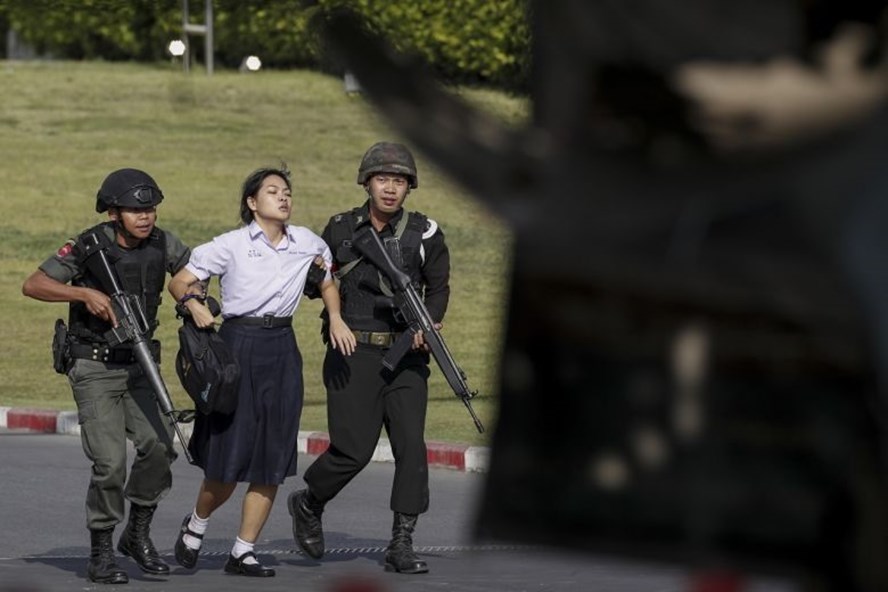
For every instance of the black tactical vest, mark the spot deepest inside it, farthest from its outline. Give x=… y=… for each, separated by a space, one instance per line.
x=140 y=271
x=366 y=302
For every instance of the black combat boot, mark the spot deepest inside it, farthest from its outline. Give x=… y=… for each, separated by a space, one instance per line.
x=135 y=542
x=307 y=530
x=399 y=556
x=101 y=567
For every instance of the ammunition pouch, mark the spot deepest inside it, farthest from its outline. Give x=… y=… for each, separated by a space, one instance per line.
x=61 y=352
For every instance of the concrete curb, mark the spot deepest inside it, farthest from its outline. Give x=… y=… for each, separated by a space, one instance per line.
x=459 y=457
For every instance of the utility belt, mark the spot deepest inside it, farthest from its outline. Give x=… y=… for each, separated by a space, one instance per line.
x=101 y=352
x=268 y=321
x=376 y=338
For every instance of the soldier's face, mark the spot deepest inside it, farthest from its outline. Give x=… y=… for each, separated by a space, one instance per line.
x=139 y=222
x=387 y=192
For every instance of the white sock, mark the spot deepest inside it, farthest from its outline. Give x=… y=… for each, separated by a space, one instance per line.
x=197 y=525
x=240 y=547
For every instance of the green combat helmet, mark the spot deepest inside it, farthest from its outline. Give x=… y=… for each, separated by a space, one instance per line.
x=129 y=188
x=388 y=157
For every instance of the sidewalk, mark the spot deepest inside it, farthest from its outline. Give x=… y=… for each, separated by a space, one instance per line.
x=459 y=457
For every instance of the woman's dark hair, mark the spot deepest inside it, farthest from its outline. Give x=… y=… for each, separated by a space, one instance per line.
x=252 y=184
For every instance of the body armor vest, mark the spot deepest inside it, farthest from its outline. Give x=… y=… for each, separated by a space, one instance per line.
x=366 y=297
x=140 y=271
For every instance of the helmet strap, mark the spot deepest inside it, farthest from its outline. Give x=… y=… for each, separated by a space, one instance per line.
x=122 y=230
x=119 y=226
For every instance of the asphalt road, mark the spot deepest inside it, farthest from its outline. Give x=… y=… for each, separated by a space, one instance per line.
x=44 y=543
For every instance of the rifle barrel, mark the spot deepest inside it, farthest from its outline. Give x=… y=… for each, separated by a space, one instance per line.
x=418 y=316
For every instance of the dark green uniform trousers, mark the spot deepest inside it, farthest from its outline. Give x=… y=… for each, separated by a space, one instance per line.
x=115 y=402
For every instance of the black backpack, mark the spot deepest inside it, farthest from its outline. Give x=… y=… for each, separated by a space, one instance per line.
x=208 y=371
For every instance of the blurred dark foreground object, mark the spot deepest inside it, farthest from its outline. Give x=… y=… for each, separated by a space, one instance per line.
x=694 y=364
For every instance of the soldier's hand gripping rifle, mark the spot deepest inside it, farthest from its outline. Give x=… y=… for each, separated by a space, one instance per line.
x=132 y=327
x=417 y=316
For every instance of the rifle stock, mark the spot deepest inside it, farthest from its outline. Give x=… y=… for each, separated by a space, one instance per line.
x=418 y=318
x=132 y=327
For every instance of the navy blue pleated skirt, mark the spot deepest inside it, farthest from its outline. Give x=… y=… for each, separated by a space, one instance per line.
x=258 y=442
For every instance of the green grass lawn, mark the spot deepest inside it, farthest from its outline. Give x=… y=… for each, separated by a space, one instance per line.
x=65 y=125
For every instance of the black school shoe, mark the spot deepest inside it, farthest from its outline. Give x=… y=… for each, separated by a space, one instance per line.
x=185 y=555
x=236 y=565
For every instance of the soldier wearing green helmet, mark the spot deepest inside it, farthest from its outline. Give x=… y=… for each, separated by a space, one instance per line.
x=115 y=400
x=388 y=157
x=362 y=396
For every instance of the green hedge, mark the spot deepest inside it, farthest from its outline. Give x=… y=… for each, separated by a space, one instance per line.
x=95 y=29
x=486 y=41
x=464 y=40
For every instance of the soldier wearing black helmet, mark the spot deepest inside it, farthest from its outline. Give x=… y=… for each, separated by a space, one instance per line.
x=114 y=399
x=362 y=396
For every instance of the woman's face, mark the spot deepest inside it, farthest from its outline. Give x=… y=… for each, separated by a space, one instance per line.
x=273 y=201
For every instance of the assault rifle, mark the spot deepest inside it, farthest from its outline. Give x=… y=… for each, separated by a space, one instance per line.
x=417 y=317
x=132 y=327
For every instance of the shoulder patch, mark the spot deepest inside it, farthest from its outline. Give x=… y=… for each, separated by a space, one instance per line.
x=430 y=229
x=65 y=249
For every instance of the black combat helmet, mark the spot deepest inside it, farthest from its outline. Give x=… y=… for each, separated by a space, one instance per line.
x=128 y=188
x=388 y=157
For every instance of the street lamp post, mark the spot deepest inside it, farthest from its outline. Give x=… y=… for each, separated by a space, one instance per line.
x=206 y=29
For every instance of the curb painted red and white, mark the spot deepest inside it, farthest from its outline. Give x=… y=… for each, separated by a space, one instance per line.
x=459 y=457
